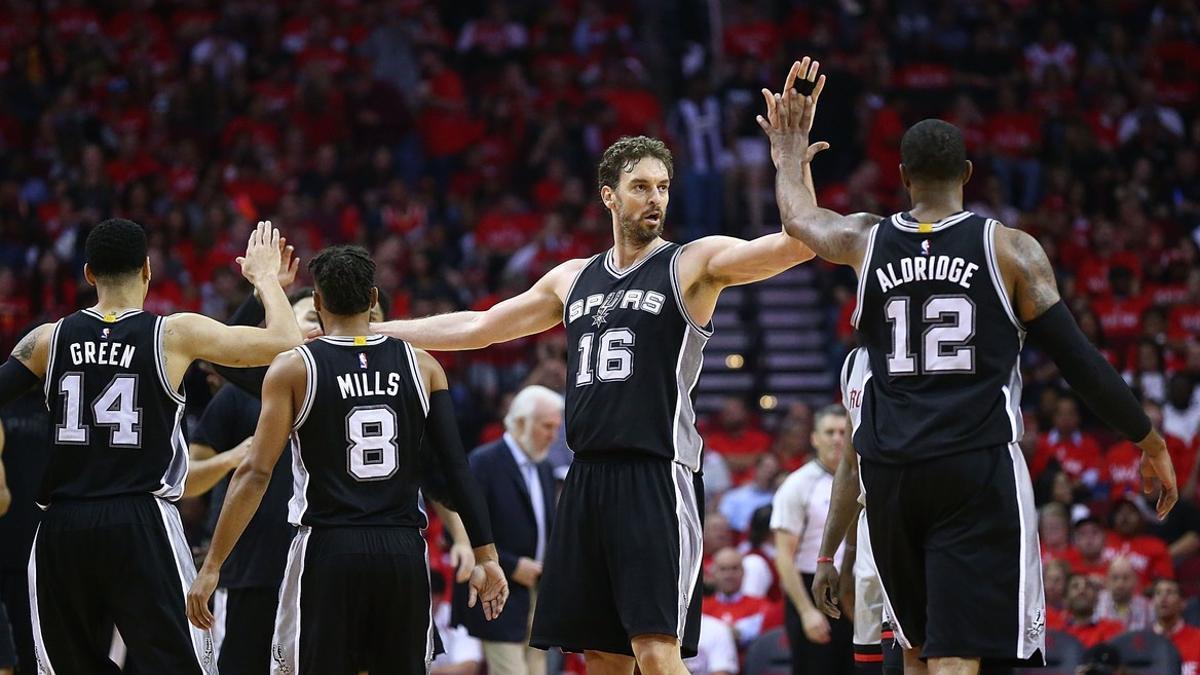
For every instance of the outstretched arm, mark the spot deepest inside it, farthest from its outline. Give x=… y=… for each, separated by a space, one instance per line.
x=285 y=377
x=830 y=235
x=538 y=309
x=1030 y=282
x=26 y=368
x=188 y=337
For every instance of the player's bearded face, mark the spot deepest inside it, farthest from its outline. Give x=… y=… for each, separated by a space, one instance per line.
x=640 y=202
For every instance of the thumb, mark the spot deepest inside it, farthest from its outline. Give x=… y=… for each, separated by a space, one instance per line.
x=816 y=148
x=241 y=260
x=472 y=595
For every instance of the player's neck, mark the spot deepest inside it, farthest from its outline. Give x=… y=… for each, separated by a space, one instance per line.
x=116 y=299
x=930 y=205
x=626 y=253
x=349 y=326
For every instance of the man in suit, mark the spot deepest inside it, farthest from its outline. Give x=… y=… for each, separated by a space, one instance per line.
x=519 y=487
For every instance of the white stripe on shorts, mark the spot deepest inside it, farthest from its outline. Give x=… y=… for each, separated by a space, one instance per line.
x=285 y=643
x=202 y=644
x=1031 y=596
x=691 y=539
x=44 y=667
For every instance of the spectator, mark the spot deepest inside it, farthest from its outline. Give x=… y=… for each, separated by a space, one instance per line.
x=1081 y=611
x=1120 y=600
x=1147 y=554
x=717 y=653
x=1076 y=451
x=696 y=123
x=740 y=503
x=1124 y=459
x=793 y=438
x=1181 y=414
x=1120 y=311
x=1054 y=580
x=464 y=654
x=736 y=436
x=717 y=535
x=1147 y=374
x=518 y=485
x=1168 y=611
x=1054 y=532
x=1016 y=139
x=757 y=556
x=1086 y=556
x=819 y=644
x=742 y=613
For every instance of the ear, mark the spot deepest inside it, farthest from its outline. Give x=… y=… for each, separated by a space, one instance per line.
x=904 y=179
x=374 y=298
x=607 y=196
x=968 y=172
x=146 y=272
x=88 y=276
x=316 y=301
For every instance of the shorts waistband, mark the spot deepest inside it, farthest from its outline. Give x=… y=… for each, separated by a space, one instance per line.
x=623 y=456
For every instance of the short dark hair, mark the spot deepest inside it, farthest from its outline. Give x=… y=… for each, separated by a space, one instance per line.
x=933 y=150
x=627 y=151
x=302 y=293
x=831 y=410
x=115 y=248
x=385 y=304
x=344 y=276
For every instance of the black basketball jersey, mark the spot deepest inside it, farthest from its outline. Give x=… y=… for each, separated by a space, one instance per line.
x=943 y=340
x=633 y=359
x=357 y=434
x=116 y=423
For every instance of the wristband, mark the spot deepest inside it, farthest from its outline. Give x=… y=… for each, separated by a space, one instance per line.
x=824 y=559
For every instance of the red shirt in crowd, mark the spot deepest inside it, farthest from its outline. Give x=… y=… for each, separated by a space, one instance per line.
x=1014 y=134
x=1183 y=321
x=1091 y=634
x=1121 y=318
x=757 y=39
x=1187 y=640
x=748 y=441
x=1148 y=555
x=1078 y=454
x=1078 y=565
x=744 y=614
x=1124 y=464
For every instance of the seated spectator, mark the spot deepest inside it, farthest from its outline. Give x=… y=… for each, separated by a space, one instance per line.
x=1168 y=610
x=1082 y=592
x=1054 y=580
x=717 y=535
x=743 y=614
x=716 y=653
x=1054 y=532
x=1120 y=600
x=736 y=436
x=758 y=555
x=793 y=438
x=1077 y=452
x=1181 y=414
x=1087 y=551
x=740 y=503
x=1147 y=554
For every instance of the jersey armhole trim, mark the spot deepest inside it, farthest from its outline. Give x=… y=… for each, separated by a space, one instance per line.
x=160 y=361
x=677 y=291
x=310 y=386
x=50 y=362
x=416 y=376
x=566 y=301
x=863 y=273
x=989 y=247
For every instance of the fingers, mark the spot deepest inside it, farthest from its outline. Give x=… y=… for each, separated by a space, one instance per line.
x=772 y=108
x=472 y=595
x=817 y=89
x=198 y=613
x=797 y=68
x=273 y=234
x=1166 y=501
x=815 y=149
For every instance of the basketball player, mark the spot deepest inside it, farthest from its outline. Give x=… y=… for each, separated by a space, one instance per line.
x=358 y=407
x=118 y=460
x=945 y=300
x=622 y=568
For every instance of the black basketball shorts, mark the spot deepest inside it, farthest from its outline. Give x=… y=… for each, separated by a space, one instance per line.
x=955 y=542
x=123 y=561
x=8 y=649
x=354 y=599
x=623 y=558
x=245 y=619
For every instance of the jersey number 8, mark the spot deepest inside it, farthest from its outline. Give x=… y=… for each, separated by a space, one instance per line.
x=372 y=453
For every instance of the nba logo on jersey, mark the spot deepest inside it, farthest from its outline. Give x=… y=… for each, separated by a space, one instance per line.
x=925 y=247
x=104 y=333
x=362 y=360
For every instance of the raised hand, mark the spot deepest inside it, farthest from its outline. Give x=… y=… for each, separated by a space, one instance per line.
x=262 y=259
x=790 y=114
x=488 y=585
x=289 y=264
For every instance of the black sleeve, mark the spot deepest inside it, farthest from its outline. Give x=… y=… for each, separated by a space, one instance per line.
x=216 y=428
x=445 y=474
x=15 y=379
x=249 y=380
x=1091 y=376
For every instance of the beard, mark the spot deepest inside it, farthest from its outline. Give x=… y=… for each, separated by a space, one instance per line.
x=638 y=229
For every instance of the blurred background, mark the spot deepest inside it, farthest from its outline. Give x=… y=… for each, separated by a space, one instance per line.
x=458 y=142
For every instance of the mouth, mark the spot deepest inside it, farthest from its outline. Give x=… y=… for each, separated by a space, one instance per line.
x=654 y=218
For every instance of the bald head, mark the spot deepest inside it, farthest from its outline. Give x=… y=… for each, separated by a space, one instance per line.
x=727 y=571
x=1122 y=580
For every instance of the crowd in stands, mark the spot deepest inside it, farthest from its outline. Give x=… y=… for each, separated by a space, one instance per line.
x=458 y=141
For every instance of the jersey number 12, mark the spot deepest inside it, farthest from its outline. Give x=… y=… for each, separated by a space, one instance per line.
x=945 y=344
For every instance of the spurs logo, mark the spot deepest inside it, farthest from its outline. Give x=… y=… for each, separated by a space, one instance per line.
x=607 y=306
x=1038 y=626
x=277 y=654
